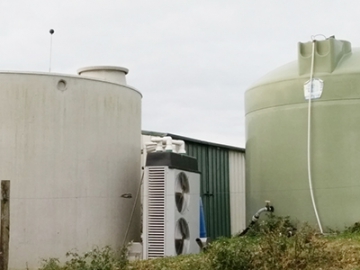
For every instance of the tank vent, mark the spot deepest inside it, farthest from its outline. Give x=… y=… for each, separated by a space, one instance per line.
x=328 y=54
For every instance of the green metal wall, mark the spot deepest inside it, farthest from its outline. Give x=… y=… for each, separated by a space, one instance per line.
x=214 y=167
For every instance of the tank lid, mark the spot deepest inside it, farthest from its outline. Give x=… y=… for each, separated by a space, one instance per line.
x=112 y=74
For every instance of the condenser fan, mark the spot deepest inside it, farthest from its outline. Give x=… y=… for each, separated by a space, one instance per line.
x=181 y=191
x=182 y=235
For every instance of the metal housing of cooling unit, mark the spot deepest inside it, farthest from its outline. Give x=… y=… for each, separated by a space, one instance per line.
x=171 y=205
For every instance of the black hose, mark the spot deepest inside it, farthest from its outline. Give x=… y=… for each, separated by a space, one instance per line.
x=255 y=218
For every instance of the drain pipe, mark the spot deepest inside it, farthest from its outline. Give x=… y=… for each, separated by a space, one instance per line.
x=255 y=218
x=309 y=138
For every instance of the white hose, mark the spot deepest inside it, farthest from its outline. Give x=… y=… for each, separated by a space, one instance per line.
x=309 y=138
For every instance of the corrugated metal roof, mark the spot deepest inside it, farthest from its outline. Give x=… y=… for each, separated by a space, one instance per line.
x=179 y=137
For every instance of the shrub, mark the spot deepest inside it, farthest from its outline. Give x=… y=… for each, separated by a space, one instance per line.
x=267 y=246
x=96 y=259
x=233 y=253
x=272 y=223
x=354 y=229
x=50 y=264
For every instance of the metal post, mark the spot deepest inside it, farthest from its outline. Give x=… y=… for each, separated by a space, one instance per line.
x=5 y=224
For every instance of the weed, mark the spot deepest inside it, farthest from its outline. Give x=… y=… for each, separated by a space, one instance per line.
x=354 y=229
x=50 y=264
x=281 y=225
x=267 y=246
x=96 y=259
x=233 y=253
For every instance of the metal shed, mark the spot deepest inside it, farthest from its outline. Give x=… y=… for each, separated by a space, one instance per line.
x=222 y=190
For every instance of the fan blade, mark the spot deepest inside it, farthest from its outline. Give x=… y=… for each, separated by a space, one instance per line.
x=179 y=201
x=184 y=185
x=179 y=246
x=184 y=228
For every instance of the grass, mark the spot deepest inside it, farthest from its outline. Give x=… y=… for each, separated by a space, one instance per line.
x=266 y=246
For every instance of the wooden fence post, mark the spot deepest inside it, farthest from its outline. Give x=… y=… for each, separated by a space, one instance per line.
x=5 y=224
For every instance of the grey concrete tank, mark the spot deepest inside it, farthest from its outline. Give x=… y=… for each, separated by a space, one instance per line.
x=277 y=119
x=70 y=145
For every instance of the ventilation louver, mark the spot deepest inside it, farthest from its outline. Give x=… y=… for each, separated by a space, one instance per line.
x=156 y=212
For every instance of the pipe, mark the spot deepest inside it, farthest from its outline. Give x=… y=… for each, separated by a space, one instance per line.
x=150 y=147
x=169 y=142
x=159 y=143
x=200 y=243
x=309 y=139
x=181 y=145
x=159 y=147
x=203 y=243
x=255 y=218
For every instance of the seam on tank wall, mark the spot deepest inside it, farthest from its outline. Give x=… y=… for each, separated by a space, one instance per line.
x=305 y=189
x=292 y=104
x=255 y=87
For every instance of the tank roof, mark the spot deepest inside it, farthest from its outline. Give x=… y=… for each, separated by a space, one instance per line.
x=61 y=75
x=343 y=61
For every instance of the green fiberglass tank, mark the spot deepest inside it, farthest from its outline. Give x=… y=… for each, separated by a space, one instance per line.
x=282 y=153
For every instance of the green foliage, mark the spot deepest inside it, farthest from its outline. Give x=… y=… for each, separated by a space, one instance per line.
x=96 y=259
x=183 y=262
x=233 y=253
x=302 y=251
x=50 y=264
x=271 y=223
x=267 y=246
x=354 y=229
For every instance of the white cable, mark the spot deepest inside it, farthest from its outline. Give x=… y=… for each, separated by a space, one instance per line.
x=309 y=138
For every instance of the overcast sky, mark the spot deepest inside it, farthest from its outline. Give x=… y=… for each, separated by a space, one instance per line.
x=192 y=60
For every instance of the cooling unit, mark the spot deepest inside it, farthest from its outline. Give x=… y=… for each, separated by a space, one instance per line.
x=171 y=205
